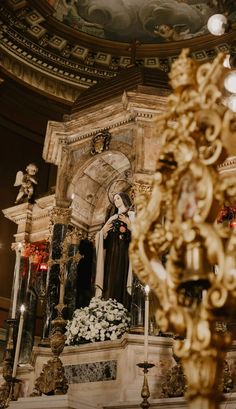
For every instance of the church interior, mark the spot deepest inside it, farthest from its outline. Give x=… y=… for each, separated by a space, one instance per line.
x=118 y=204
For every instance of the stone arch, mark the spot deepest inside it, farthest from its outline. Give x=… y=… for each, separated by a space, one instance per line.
x=91 y=183
x=75 y=160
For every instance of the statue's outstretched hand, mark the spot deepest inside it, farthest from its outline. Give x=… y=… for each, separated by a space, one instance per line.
x=106 y=228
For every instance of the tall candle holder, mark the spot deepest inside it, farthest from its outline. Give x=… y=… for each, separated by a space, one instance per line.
x=145 y=392
x=18 y=342
x=5 y=388
x=52 y=379
x=13 y=395
x=146 y=323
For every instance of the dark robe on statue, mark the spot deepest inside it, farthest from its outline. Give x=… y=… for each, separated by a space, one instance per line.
x=116 y=265
x=116 y=277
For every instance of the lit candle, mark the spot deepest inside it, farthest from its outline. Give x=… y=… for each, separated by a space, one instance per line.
x=62 y=292
x=18 y=341
x=16 y=281
x=146 y=323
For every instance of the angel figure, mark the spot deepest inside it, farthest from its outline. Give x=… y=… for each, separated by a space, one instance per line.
x=173 y=33
x=27 y=182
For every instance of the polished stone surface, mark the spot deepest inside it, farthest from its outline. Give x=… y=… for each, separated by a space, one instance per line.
x=91 y=372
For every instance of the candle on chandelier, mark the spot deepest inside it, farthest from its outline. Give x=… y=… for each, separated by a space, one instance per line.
x=146 y=323
x=18 y=341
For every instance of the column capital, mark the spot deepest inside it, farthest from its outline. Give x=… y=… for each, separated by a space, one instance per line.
x=60 y=215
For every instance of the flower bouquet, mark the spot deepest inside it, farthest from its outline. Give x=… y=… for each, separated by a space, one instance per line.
x=120 y=227
x=101 y=320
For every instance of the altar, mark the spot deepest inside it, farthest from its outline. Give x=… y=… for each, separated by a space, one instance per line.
x=101 y=149
x=106 y=375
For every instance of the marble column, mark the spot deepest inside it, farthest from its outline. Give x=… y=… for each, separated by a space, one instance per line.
x=21 y=295
x=84 y=273
x=60 y=220
x=137 y=307
x=71 y=282
x=29 y=326
x=140 y=190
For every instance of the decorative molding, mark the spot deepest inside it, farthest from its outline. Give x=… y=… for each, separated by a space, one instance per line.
x=140 y=191
x=126 y=120
x=33 y=220
x=54 y=139
x=140 y=187
x=174 y=384
x=107 y=116
x=60 y=215
x=100 y=142
x=229 y=165
x=19 y=213
x=32 y=37
x=47 y=83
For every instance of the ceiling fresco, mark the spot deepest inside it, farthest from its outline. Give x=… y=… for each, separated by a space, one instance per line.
x=50 y=57
x=148 y=21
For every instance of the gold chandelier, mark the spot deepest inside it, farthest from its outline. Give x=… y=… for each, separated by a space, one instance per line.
x=177 y=247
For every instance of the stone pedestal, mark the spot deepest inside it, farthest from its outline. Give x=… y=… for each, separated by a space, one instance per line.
x=70 y=402
x=105 y=372
x=51 y=402
x=105 y=375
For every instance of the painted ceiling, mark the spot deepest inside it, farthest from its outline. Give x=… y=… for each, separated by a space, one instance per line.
x=148 y=21
x=63 y=57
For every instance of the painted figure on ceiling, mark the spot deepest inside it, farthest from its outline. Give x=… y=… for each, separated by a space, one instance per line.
x=113 y=269
x=67 y=12
x=182 y=19
x=171 y=33
x=123 y=20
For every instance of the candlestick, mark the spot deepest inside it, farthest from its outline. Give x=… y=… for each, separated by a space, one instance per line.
x=145 y=393
x=146 y=323
x=18 y=342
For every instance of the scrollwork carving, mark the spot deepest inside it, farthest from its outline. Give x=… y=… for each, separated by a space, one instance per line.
x=100 y=142
x=197 y=132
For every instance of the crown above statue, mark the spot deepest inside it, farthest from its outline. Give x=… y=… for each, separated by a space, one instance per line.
x=183 y=70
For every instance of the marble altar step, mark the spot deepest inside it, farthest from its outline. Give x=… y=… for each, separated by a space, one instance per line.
x=171 y=403
x=105 y=375
x=51 y=402
x=70 y=402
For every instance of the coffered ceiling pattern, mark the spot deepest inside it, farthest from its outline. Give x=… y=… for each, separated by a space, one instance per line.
x=40 y=49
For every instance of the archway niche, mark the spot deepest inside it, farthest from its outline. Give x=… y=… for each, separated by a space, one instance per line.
x=93 y=186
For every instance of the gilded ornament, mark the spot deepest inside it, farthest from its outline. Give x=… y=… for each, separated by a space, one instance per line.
x=196 y=286
x=100 y=142
x=60 y=215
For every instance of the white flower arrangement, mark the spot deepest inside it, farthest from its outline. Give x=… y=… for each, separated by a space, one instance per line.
x=101 y=320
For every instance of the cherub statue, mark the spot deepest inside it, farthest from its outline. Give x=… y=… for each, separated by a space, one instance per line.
x=27 y=182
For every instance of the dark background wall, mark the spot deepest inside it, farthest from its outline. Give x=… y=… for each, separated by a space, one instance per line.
x=23 y=120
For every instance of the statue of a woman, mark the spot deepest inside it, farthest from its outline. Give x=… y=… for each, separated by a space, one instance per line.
x=113 y=269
